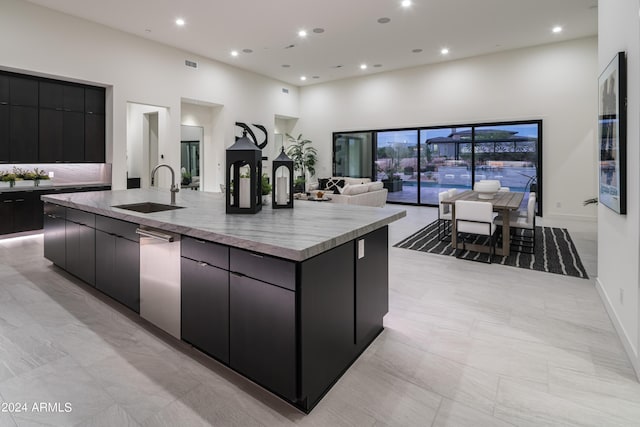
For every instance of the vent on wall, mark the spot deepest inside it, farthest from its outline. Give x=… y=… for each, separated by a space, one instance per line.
x=285 y=90
x=191 y=64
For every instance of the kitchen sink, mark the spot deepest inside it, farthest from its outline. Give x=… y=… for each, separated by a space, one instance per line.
x=148 y=207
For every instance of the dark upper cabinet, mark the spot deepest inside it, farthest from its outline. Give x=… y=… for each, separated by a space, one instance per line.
x=23 y=134
x=94 y=100
x=4 y=133
x=23 y=91
x=73 y=136
x=73 y=98
x=94 y=150
x=51 y=95
x=4 y=89
x=50 y=141
x=61 y=96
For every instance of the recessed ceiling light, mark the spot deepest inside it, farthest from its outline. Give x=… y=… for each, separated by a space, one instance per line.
x=557 y=29
x=247 y=50
x=384 y=20
x=302 y=33
x=405 y=3
x=234 y=53
x=179 y=22
x=416 y=50
x=286 y=65
x=444 y=51
x=363 y=66
x=318 y=30
x=303 y=78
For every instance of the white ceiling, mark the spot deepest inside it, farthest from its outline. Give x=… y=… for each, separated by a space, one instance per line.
x=352 y=34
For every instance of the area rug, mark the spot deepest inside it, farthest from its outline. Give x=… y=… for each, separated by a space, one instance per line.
x=554 y=251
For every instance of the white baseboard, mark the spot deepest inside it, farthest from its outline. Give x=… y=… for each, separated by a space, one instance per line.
x=632 y=353
x=568 y=217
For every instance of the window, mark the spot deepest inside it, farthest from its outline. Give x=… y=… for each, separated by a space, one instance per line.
x=416 y=164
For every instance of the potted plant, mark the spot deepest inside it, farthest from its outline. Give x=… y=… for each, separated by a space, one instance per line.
x=7 y=179
x=304 y=160
x=265 y=189
x=40 y=175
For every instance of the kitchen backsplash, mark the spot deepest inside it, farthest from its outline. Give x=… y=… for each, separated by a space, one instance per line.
x=69 y=173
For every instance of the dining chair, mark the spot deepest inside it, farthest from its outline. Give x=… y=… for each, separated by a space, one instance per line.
x=444 y=216
x=474 y=219
x=522 y=227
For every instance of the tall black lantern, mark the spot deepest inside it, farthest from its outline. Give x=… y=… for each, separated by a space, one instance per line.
x=244 y=177
x=282 y=174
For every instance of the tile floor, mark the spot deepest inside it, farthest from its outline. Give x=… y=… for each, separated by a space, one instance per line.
x=465 y=344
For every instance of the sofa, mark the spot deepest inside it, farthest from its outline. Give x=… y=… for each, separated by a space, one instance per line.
x=352 y=191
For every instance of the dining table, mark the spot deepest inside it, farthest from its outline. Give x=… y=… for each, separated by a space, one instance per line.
x=504 y=202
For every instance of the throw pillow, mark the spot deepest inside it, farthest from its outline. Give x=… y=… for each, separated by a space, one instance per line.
x=376 y=185
x=322 y=182
x=353 y=189
x=335 y=184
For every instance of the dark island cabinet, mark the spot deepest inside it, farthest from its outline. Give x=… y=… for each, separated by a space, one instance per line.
x=205 y=307
x=55 y=234
x=118 y=261
x=263 y=334
x=80 y=245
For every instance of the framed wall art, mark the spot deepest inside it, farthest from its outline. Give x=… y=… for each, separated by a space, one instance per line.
x=612 y=134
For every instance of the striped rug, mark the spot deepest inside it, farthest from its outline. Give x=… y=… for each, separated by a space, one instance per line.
x=554 y=251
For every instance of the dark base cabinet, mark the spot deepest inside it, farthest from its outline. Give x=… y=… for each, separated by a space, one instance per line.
x=118 y=261
x=80 y=241
x=262 y=334
x=18 y=212
x=205 y=307
x=55 y=234
x=291 y=328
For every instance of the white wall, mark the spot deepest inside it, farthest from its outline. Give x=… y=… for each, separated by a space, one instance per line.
x=618 y=235
x=555 y=83
x=37 y=40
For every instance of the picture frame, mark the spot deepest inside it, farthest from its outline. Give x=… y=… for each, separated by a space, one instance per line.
x=612 y=134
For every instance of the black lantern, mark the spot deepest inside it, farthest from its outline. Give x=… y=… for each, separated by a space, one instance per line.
x=282 y=173
x=244 y=177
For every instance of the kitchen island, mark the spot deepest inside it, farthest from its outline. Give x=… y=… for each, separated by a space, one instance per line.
x=289 y=298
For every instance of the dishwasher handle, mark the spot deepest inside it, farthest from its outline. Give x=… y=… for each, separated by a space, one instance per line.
x=155 y=234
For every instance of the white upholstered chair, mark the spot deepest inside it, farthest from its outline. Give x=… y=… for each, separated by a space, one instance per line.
x=523 y=227
x=473 y=219
x=444 y=216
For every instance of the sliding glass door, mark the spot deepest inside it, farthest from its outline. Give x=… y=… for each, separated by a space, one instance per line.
x=416 y=164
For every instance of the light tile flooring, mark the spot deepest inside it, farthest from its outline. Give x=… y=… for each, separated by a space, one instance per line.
x=465 y=344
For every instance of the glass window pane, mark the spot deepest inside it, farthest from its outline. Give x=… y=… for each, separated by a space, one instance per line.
x=445 y=162
x=353 y=154
x=397 y=164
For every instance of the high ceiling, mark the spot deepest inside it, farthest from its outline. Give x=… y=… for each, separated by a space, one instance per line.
x=352 y=34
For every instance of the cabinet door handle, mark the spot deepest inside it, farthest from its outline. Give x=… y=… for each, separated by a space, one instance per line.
x=202 y=264
x=233 y=273
x=256 y=255
x=19 y=200
x=8 y=201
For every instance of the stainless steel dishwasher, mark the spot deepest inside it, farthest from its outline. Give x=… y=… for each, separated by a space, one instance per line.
x=160 y=278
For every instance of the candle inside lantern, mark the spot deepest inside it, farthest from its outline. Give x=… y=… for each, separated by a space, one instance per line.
x=281 y=190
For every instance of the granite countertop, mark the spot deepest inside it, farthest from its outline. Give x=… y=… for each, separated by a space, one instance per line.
x=53 y=186
x=296 y=234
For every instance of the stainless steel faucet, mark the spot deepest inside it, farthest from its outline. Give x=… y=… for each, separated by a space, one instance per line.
x=174 y=189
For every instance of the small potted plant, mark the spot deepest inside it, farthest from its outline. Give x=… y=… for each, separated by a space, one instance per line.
x=7 y=179
x=265 y=189
x=40 y=175
x=23 y=177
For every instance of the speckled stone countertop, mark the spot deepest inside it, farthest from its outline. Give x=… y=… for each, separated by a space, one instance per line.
x=295 y=234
